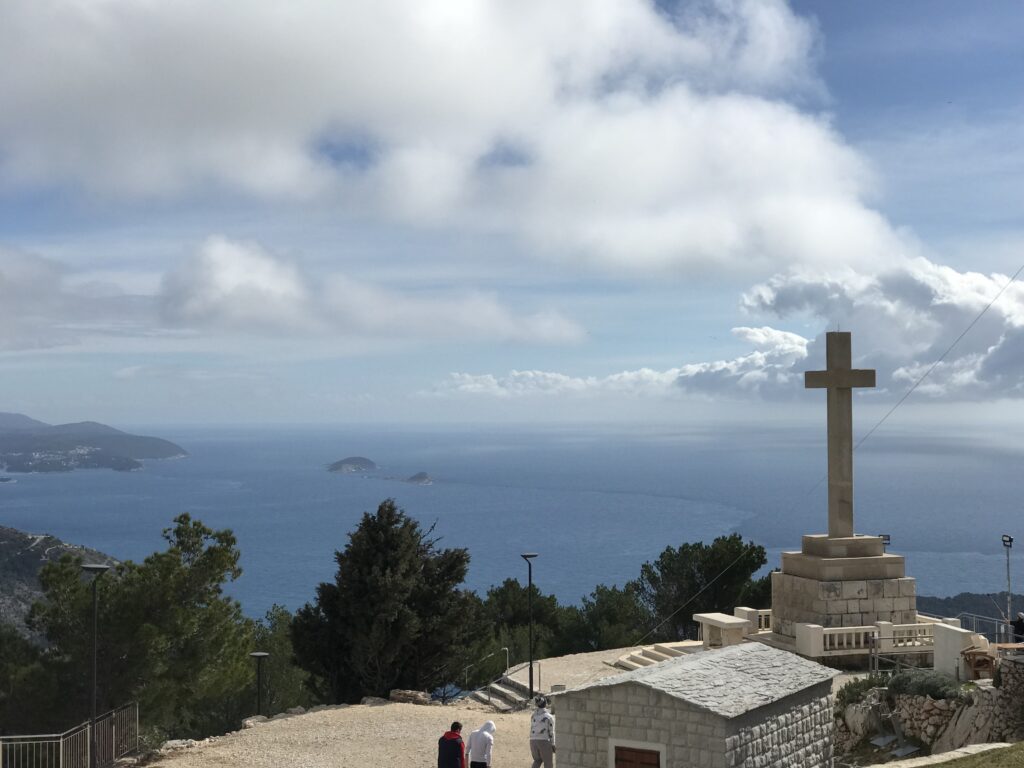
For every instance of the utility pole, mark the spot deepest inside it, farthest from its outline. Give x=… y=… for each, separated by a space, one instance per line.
x=1008 y=545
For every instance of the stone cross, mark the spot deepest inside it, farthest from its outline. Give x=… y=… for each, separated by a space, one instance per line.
x=839 y=380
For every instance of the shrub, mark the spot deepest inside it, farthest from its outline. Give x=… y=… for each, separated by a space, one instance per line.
x=854 y=691
x=924 y=682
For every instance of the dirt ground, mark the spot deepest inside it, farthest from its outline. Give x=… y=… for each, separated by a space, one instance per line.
x=363 y=736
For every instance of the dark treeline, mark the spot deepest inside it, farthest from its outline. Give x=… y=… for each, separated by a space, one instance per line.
x=395 y=616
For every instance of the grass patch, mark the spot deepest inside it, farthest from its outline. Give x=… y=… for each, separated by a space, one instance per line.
x=1010 y=757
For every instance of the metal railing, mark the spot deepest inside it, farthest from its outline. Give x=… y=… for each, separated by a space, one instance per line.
x=117 y=735
x=995 y=630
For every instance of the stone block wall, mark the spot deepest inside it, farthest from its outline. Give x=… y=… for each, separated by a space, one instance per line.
x=588 y=720
x=799 y=733
x=796 y=600
x=796 y=731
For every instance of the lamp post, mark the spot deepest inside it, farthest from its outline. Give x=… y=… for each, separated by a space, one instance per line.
x=259 y=656
x=95 y=570
x=1008 y=545
x=528 y=557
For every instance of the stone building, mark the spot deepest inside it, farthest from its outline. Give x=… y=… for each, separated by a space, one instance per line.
x=746 y=705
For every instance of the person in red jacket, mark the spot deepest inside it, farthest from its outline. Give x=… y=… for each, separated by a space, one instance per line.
x=451 y=750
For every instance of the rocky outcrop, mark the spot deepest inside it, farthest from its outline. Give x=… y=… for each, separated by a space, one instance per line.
x=22 y=556
x=410 y=697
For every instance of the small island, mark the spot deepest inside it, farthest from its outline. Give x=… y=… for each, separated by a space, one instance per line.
x=351 y=465
x=420 y=478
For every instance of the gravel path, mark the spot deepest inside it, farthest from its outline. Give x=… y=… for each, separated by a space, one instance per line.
x=386 y=735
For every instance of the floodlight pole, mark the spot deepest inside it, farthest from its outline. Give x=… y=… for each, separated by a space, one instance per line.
x=96 y=571
x=528 y=557
x=259 y=656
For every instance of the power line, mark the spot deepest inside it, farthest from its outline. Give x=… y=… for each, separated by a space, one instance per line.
x=942 y=357
x=691 y=598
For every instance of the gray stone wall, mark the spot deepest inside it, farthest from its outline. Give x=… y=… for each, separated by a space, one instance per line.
x=796 y=600
x=587 y=720
x=797 y=731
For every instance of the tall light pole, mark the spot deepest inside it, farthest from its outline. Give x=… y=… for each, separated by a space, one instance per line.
x=259 y=656
x=1008 y=545
x=528 y=557
x=95 y=570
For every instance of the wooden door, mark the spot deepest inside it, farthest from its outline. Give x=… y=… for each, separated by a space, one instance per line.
x=627 y=757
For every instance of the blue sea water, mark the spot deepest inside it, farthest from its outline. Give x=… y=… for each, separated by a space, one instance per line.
x=594 y=503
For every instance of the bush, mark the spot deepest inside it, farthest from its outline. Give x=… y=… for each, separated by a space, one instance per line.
x=924 y=682
x=855 y=690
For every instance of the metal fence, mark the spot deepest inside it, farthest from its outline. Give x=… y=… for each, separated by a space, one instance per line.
x=117 y=734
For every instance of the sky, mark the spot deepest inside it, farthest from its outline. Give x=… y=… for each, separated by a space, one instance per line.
x=467 y=211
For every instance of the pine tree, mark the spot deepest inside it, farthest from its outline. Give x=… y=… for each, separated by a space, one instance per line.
x=394 y=617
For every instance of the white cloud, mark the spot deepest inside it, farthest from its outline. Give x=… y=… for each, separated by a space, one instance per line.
x=238 y=286
x=905 y=318
x=232 y=286
x=599 y=129
x=229 y=288
x=767 y=371
x=42 y=306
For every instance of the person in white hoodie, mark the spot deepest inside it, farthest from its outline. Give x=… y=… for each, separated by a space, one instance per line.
x=481 y=741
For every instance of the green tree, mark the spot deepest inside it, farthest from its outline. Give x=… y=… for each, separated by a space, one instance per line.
x=168 y=637
x=703 y=577
x=614 y=617
x=283 y=682
x=27 y=686
x=394 y=616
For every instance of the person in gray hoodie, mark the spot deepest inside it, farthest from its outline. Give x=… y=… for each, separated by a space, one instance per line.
x=481 y=742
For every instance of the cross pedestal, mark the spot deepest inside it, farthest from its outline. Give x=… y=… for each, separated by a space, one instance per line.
x=840 y=579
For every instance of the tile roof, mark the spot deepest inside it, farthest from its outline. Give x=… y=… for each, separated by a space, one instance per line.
x=728 y=682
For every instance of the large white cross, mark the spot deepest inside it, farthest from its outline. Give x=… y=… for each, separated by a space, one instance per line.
x=839 y=379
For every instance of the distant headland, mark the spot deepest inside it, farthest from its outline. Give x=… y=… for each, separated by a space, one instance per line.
x=28 y=445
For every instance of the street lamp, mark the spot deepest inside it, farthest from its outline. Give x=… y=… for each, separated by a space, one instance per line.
x=528 y=557
x=259 y=656
x=95 y=570
x=1008 y=545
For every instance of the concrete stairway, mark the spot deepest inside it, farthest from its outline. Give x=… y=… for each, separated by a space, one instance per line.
x=504 y=695
x=652 y=654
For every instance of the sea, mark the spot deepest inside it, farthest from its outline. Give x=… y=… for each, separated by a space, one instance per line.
x=594 y=503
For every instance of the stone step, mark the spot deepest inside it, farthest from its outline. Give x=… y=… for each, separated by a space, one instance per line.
x=666 y=650
x=484 y=697
x=523 y=689
x=626 y=664
x=510 y=695
x=641 y=660
x=654 y=654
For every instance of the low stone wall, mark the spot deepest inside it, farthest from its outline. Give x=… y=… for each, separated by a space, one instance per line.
x=924 y=718
x=985 y=714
